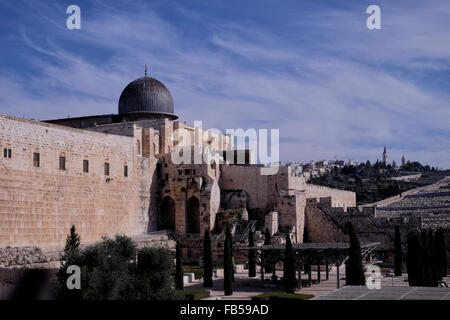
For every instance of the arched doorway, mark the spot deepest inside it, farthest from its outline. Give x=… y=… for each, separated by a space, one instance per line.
x=193 y=215
x=167 y=214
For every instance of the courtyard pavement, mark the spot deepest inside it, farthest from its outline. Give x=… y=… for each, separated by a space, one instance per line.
x=244 y=287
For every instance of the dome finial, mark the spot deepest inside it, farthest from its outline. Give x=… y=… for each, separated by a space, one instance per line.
x=145 y=70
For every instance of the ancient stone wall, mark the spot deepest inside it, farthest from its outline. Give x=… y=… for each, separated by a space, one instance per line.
x=284 y=193
x=189 y=136
x=291 y=214
x=271 y=222
x=122 y=129
x=320 y=228
x=339 y=198
x=261 y=192
x=194 y=194
x=42 y=195
x=327 y=224
x=233 y=199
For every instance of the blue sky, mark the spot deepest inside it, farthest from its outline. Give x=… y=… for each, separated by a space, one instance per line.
x=309 y=68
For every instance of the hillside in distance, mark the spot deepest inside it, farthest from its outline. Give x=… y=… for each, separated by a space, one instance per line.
x=375 y=182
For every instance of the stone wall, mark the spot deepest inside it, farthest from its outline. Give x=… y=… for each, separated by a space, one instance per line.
x=261 y=193
x=38 y=205
x=182 y=184
x=284 y=193
x=271 y=222
x=321 y=228
x=233 y=199
x=339 y=198
x=291 y=214
x=327 y=224
x=262 y=190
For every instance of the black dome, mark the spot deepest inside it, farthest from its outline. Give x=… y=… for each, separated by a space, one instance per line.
x=146 y=95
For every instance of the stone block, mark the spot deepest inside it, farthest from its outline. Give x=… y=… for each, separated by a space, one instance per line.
x=191 y=277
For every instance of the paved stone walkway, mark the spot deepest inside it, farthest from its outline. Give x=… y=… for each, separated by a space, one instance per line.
x=245 y=287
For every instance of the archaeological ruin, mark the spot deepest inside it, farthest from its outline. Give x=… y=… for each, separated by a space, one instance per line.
x=116 y=174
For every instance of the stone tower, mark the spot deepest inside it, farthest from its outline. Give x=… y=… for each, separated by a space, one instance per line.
x=403 y=161
x=385 y=156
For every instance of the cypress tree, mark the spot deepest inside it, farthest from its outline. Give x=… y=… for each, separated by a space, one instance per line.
x=420 y=261
x=427 y=280
x=433 y=258
x=267 y=241
x=414 y=260
x=289 y=269
x=179 y=285
x=251 y=256
x=306 y=239
x=228 y=266
x=72 y=245
x=443 y=252
x=207 y=260
x=354 y=269
x=305 y=235
x=437 y=254
x=398 y=252
x=411 y=259
x=444 y=259
x=230 y=239
x=71 y=257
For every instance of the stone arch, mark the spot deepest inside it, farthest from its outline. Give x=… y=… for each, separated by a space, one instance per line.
x=167 y=214
x=193 y=215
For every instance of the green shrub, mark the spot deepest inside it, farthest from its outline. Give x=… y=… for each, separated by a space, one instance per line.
x=197 y=271
x=231 y=215
x=153 y=278
x=110 y=271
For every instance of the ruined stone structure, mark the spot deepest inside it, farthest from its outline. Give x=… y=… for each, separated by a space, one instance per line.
x=122 y=174
x=424 y=207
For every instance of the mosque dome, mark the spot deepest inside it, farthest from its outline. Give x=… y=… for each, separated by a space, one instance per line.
x=146 y=96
